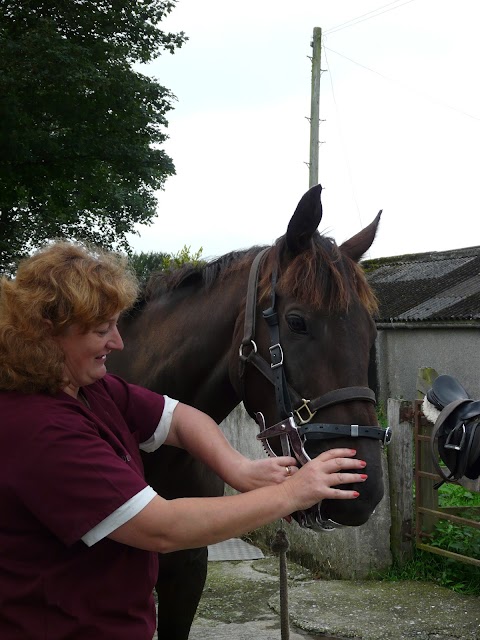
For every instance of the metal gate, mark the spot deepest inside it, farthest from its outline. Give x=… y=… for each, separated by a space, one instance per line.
x=428 y=513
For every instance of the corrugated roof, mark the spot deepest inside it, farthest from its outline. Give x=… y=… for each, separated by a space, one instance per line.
x=435 y=287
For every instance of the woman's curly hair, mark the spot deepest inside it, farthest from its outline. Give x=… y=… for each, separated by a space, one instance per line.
x=62 y=284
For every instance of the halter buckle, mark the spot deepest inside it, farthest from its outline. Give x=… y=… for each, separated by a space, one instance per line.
x=310 y=413
x=387 y=436
x=276 y=355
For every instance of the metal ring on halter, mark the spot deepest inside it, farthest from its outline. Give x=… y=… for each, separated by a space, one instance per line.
x=253 y=345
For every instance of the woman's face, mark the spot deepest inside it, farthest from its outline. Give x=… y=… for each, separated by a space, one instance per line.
x=86 y=353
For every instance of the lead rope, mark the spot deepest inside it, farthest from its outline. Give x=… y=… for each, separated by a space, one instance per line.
x=280 y=545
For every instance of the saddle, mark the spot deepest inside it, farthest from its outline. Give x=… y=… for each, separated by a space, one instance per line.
x=456 y=433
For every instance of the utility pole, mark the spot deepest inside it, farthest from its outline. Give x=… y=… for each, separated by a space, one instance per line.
x=315 y=107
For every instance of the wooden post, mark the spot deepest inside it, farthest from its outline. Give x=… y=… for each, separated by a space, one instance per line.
x=425 y=378
x=426 y=471
x=315 y=106
x=400 y=462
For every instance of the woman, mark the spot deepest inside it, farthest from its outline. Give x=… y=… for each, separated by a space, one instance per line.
x=80 y=526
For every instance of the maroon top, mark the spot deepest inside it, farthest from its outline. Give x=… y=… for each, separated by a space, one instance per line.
x=64 y=469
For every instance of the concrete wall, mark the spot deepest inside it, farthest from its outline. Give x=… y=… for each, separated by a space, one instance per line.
x=400 y=352
x=343 y=553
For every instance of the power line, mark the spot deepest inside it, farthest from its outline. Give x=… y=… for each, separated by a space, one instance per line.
x=413 y=89
x=345 y=154
x=367 y=16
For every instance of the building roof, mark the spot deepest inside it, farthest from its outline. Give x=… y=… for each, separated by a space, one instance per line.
x=441 y=286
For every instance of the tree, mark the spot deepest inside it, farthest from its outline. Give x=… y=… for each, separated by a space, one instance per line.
x=80 y=129
x=146 y=263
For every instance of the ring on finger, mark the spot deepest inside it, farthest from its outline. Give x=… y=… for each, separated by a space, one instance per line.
x=288 y=470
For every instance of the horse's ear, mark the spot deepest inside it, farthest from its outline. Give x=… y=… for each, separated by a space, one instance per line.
x=304 y=221
x=360 y=243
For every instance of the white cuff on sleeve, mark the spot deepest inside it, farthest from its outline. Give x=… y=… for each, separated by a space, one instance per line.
x=161 y=432
x=120 y=516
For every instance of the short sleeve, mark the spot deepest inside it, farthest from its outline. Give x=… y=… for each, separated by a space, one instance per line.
x=141 y=408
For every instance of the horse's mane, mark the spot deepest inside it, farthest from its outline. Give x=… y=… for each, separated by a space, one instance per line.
x=202 y=274
x=322 y=277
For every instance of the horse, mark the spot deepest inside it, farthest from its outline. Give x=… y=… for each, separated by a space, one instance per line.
x=287 y=330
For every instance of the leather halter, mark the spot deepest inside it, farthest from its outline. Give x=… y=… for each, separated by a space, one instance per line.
x=289 y=402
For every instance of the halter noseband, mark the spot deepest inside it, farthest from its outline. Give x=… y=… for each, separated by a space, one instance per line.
x=293 y=437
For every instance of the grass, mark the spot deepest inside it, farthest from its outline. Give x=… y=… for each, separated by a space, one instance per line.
x=429 y=567
x=454 y=575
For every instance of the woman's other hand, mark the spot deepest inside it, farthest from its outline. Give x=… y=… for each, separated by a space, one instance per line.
x=253 y=474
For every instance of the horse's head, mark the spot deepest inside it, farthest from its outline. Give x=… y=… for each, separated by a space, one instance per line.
x=306 y=348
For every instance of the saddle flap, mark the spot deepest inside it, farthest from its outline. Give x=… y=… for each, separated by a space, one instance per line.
x=445 y=390
x=472 y=470
x=458 y=432
x=457 y=412
x=468 y=410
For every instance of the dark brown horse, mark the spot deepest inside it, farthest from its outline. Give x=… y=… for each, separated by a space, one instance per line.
x=197 y=336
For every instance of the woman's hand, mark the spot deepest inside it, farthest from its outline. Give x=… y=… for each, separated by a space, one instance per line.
x=253 y=474
x=320 y=478
x=197 y=433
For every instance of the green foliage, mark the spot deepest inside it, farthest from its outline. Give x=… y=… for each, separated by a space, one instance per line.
x=80 y=130
x=382 y=416
x=457 y=538
x=454 y=537
x=454 y=495
x=464 y=540
x=144 y=264
x=184 y=257
x=430 y=567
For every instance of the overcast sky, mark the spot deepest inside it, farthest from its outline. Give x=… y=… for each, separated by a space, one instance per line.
x=400 y=130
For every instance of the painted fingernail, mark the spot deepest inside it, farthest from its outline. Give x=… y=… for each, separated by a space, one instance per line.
x=355 y=494
x=353 y=451
x=363 y=463
x=363 y=476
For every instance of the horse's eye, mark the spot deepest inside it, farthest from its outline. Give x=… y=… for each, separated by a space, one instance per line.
x=296 y=323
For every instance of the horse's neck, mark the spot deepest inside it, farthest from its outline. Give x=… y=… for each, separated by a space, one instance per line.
x=181 y=347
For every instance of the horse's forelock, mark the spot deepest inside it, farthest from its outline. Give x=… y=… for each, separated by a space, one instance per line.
x=325 y=278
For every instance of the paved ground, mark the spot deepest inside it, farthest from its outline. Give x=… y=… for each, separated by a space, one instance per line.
x=241 y=602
